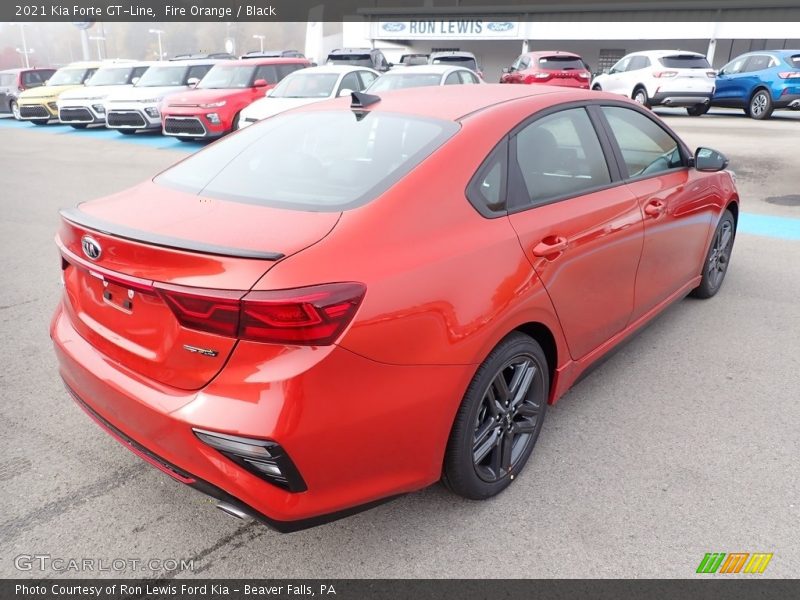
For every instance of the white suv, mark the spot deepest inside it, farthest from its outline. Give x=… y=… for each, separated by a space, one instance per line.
x=662 y=78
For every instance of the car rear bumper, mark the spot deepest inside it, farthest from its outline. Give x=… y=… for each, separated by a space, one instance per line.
x=681 y=98
x=787 y=101
x=358 y=431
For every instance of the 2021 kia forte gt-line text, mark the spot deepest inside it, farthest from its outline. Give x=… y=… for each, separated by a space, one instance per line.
x=358 y=298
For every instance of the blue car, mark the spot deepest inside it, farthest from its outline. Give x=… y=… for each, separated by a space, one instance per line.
x=759 y=82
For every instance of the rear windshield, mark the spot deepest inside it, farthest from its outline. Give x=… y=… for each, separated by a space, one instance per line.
x=111 y=76
x=561 y=63
x=685 y=61
x=315 y=161
x=461 y=61
x=360 y=60
x=405 y=80
x=164 y=76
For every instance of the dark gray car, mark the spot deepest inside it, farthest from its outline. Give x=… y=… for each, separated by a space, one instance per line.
x=15 y=81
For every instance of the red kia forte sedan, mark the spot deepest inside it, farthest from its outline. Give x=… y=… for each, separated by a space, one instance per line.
x=553 y=68
x=212 y=109
x=354 y=300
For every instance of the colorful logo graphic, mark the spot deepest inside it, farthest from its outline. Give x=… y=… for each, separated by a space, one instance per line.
x=734 y=562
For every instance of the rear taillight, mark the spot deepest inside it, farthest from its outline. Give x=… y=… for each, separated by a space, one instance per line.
x=540 y=76
x=313 y=316
x=711 y=74
x=789 y=75
x=660 y=74
x=583 y=75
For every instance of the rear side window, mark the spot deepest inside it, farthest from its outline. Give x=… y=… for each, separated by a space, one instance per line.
x=561 y=63
x=794 y=61
x=316 y=161
x=684 y=61
x=646 y=148
x=758 y=62
x=559 y=156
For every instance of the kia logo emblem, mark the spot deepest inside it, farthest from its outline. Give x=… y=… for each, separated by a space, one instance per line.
x=91 y=247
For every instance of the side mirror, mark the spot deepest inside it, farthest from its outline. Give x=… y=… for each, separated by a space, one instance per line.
x=391 y=65
x=135 y=80
x=706 y=159
x=345 y=92
x=192 y=81
x=259 y=83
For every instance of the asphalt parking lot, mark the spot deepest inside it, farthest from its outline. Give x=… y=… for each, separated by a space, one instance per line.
x=684 y=442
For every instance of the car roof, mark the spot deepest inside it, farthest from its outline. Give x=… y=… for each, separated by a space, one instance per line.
x=781 y=52
x=336 y=69
x=26 y=69
x=85 y=64
x=189 y=62
x=661 y=53
x=552 y=53
x=428 y=69
x=453 y=102
x=350 y=51
x=267 y=60
x=463 y=53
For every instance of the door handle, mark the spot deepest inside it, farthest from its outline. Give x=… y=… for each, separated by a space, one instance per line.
x=550 y=245
x=654 y=208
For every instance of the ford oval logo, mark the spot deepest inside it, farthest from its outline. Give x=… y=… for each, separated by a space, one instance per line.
x=393 y=27
x=500 y=26
x=91 y=247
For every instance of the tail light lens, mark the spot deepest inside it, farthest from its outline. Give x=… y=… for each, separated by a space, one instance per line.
x=534 y=77
x=661 y=74
x=711 y=74
x=313 y=316
x=789 y=75
x=583 y=75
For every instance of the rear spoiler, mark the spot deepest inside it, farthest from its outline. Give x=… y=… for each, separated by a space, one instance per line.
x=80 y=218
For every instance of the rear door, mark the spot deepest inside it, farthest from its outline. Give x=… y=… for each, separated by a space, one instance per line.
x=676 y=204
x=580 y=228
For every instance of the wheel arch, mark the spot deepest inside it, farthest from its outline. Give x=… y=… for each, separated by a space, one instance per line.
x=733 y=207
x=759 y=87
x=545 y=338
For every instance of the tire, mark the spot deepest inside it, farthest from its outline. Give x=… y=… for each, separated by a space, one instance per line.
x=78 y=125
x=597 y=87
x=640 y=95
x=697 y=110
x=235 y=123
x=718 y=257
x=40 y=121
x=14 y=109
x=127 y=131
x=504 y=432
x=760 y=105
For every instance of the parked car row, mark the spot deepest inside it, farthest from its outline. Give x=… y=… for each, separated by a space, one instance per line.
x=194 y=98
x=757 y=82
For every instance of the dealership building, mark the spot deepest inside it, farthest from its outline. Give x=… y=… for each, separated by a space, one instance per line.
x=600 y=32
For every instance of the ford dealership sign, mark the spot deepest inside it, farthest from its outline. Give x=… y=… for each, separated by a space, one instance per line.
x=445 y=28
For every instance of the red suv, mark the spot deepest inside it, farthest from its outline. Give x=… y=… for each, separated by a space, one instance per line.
x=350 y=301
x=15 y=81
x=553 y=68
x=212 y=109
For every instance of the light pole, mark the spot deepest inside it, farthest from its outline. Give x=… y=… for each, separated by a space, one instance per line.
x=25 y=53
x=98 y=39
x=260 y=39
x=159 y=33
x=24 y=50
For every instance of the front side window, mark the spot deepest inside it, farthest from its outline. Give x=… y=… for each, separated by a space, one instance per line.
x=315 y=161
x=621 y=66
x=734 y=67
x=197 y=72
x=646 y=148
x=349 y=82
x=367 y=78
x=559 y=156
x=638 y=62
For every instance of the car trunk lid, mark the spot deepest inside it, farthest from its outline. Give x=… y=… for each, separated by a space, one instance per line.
x=124 y=256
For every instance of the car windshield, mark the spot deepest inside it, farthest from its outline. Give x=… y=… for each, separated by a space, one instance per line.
x=461 y=61
x=68 y=77
x=306 y=85
x=315 y=161
x=685 y=61
x=392 y=81
x=166 y=76
x=561 y=63
x=111 y=76
x=360 y=60
x=228 y=77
